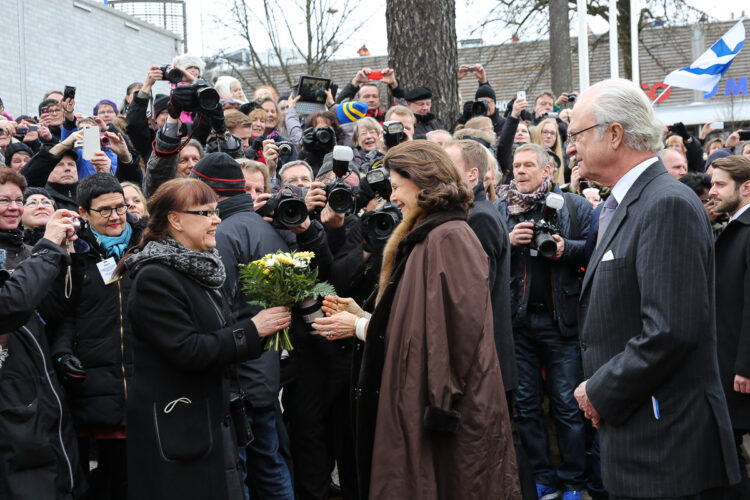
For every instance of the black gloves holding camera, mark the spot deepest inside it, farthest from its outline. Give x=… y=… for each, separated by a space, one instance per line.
x=69 y=368
x=680 y=129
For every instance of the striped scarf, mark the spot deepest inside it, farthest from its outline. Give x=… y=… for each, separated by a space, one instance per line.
x=520 y=203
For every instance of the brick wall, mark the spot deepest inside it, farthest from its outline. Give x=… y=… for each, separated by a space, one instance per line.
x=82 y=43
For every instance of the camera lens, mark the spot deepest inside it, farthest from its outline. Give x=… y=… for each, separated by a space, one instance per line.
x=340 y=199
x=208 y=98
x=285 y=149
x=323 y=135
x=545 y=244
x=479 y=108
x=382 y=225
x=291 y=213
x=174 y=75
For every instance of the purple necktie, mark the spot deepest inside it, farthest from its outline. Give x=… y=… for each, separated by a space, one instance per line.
x=606 y=216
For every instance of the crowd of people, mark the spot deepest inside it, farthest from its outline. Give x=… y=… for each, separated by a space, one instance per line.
x=539 y=273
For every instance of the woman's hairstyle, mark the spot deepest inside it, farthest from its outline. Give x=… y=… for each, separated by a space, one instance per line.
x=676 y=139
x=94 y=185
x=279 y=114
x=257 y=114
x=223 y=86
x=256 y=166
x=366 y=123
x=139 y=193
x=715 y=140
x=482 y=137
x=128 y=91
x=263 y=91
x=479 y=122
x=428 y=166
x=558 y=176
x=492 y=166
x=7 y=175
x=235 y=119
x=172 y=196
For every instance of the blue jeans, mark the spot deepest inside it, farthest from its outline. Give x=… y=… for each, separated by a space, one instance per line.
x=538 y=346
x=268 y=472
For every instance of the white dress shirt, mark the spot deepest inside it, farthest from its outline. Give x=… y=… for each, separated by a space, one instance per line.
x=626 y=181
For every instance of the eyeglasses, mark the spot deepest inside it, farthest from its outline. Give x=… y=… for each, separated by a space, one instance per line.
x=367 y=132
x=35 y=203
x=204 y=213
x=295 y=180
x=107 y=211
x=5 y=202
x=54 y=111
x=572 y=137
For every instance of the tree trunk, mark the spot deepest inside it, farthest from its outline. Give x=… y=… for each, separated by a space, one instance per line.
x=422 y=51
x=559 y=47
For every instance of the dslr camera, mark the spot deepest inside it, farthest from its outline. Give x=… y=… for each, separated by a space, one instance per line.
x=479 y=108
x=393 y=133
x=339 y=194
x=288 y=206
x=377 y=225
x=542 y=240
x=171 y=74
x=319 y=139
x=198 y=96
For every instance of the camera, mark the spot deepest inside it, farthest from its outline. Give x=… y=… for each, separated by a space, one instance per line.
x=542 y=240
x=393 y=133
x=319 y=139
x=288 y=207
x=378 y=225
x=479 y=108
x=171 y=74
x=549 y=114
x=198 y=96
x=104 y=139
x=339 y=194
x=255 y=150
x=380 y=182
x=571 y=97
x=285 y=148
x=21 y=131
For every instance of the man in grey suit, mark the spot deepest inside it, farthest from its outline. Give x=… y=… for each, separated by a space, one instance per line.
x=648 y=331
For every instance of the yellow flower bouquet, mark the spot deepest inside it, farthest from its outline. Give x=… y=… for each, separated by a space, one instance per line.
x=282 y=279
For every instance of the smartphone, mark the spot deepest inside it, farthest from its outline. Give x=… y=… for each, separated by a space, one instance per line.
x=91 y=142
x=69 y=92
x=33 y=128
x=745 y=135
x=375 y=75
x=717 y=126
x=521 y=94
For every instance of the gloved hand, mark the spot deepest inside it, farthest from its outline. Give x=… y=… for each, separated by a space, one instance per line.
x=69 y=368
x=215 y=118
x=680 y=129
x=180 y=99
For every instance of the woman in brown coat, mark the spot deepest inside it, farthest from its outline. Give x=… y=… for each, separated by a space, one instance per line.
x=431 y=417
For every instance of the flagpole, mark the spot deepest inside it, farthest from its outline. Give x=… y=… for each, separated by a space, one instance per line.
x=583 y=47
x=659 y=96
x=635 y=17
x=614 y=64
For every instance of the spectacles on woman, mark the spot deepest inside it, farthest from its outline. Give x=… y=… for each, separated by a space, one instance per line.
x=36 y=203
x=107 y=211
x=5 y=202
x=204 y=213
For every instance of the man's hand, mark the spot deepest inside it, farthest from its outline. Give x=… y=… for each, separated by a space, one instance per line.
x=101 y=162
x=518 y=106
x=291 y=102
x=741 y=384
x=563 y=99
x=733 y=139
x=70 y=369
x=260 y=202
x=8 y=127
x=316 y=196
x=70 y=141
x=118 y=146
x=575 y=179
x=302 y=227
x=560 y=246
x=331 y=219
x=585 y=405
x=522 y=234
x=389 y=77
x=705 y=130
x=270 y=154
x=480 y=73
x=361 y=77
x=68 y=108
x=329 y=98
x=463 y=70
x=44 y=132
x=154 y=75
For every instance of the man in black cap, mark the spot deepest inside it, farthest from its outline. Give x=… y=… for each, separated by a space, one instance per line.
x=419 y=101
x=17 y=154
x=484 y=94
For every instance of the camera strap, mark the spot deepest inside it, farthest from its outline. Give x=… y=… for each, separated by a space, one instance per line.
x=573 y=216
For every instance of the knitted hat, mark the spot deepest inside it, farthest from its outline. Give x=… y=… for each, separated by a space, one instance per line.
x=417 y=94
x=105 y=101
x=161 y=103
x=351 y=111
x=45 y=103
x=186 y=61
x=719 y=153
x=485 y=91
x=36 y=190
x=16 y=147
x=221 y=173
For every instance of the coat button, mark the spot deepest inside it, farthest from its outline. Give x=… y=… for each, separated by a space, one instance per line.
x=239 y=334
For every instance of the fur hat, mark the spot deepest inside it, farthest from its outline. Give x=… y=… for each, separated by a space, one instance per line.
x=186 y=61
x=16 y=147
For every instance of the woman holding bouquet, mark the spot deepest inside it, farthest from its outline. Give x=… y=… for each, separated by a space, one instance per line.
x=431 y=420
x=182 y=440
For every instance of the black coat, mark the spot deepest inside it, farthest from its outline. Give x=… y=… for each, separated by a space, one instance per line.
x=96 y=330
x=38 y=450
x=243 y=236
x=485 y=221
x=180 y=439
x=425 y=123
x=733 y=314
x=64 y=195
x=15 y=249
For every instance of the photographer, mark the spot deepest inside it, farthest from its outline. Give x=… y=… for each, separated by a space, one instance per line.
x=251 y=130
x=39 y=455
x=319 y=137
x=693 y=149
x=363 y=88
x=484 y=99
x=509 y=136
x=545 y=106
x=140 y=128
x=548 y=234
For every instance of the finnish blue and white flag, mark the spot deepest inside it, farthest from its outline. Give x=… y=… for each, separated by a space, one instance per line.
x=704 y=74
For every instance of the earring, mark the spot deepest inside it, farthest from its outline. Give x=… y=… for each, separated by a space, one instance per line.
x=180 y=229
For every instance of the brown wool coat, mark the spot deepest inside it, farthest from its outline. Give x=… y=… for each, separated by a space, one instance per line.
x=440 y=357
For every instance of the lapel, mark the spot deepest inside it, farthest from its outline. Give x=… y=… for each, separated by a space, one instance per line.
x=632 y=195
x=732 y=227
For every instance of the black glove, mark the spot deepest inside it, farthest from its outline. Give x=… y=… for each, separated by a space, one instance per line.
x=69 y=368
x=215 y=118
x=680 y=129
x=180 y=99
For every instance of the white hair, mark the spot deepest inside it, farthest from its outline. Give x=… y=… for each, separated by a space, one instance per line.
x=542 y=157
x=622 y=101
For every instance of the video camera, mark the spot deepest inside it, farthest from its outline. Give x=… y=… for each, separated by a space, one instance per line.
x=288 y=207
x=544 y=229
x=198 y=96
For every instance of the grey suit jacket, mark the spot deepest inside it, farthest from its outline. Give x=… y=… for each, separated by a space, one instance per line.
x=648 y=330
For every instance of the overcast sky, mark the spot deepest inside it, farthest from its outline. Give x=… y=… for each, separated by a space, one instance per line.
x=206 y=37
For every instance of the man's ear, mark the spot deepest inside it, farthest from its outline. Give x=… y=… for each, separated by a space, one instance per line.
x=618 y=135
x=745 y=189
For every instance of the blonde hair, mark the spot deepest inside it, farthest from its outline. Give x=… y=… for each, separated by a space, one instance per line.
x=256 y=166
x=676 y=139
x=139 y=193
x=558 y=176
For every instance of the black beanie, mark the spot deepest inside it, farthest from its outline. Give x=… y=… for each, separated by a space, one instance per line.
x=36 y=190
x=485 y=91
x=221 y=173
x=16 y=147
x=161 y=103
x=417 y=94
